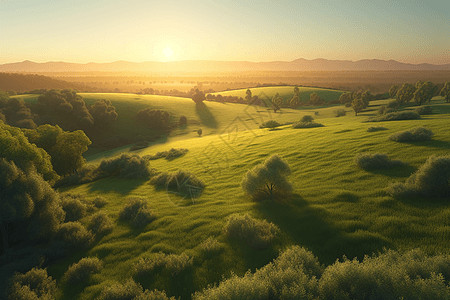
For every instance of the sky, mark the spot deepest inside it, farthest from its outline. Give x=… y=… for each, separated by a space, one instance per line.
x=82 y=31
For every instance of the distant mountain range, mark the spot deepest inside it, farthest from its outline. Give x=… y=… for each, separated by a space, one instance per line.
x=301 y=64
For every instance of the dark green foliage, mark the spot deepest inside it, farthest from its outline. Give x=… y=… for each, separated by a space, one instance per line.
x=181 y=182
x=314 y=99
x=28 y=205
x=277 y=102
x=393 y=91
x=358 y=105
x=99 y=202
x=200 y=132
x=198 y=96
x=81 y=271
x=154 y=118
x=14 y=146
x=375 y=161
x=431 y=180
x=131 y=290
x=87 y=173
x=136 y=210
x=307 y=125
x=340 y=112
x=169 y=155
x=73 y=235
x=424 y=110
x=210 y=245
x=73 y=207
x=382 y=110
x=376 y=128
x=445 y=91
x=183 y=121
x=174 y=263
x=346 y=98
x=258 y=234
x=394 y=104
x=17 y=113
x=417 y=134
x=393 y=116
x=104 y=113
x=405 y=93
x=126 y=166
x=270 y=124
x=424 y=92
x=35 y=284
x=268 y=179
x=306 y=119
x=100 y=224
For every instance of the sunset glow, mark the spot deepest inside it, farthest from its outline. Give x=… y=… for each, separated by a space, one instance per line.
x=168 y=52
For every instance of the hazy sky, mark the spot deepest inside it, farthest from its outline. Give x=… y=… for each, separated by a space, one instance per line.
x=145 y=30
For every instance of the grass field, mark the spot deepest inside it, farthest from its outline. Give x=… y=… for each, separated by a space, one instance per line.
x=286 y=92
x=336 y=209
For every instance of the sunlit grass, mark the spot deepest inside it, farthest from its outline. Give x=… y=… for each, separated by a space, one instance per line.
x=337 y=208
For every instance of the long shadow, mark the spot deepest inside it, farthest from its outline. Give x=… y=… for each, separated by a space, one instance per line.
x=432 y=143
x=205 y=115
x=116 y=184
x=403 y=171
x=306 y=227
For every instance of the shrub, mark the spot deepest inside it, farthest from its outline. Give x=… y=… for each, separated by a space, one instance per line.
x=154 y=118
x=169 y=155
x=88 y=173
x=71 y=204
x=137 y=211
x=424 y=110
x=394 y=104
x=81 y=271
x=307 y=125
x=139 y=145
x=306 y=119
x=257 y=234
x=348 y=104
x=268 y=179
x=393 y=116
x=99 y=202
x=128 y=291
x=181 y=182
x=35 y=284
x=376 y=128
x=172 y=262
x=430 y=180
x=382 y=110
x=73 y=235
x=126 y=166
x=210 y=245
x=270 y=124
x=417 y=134
x=183 y=121
x=100 y=224
x=200 y=132
x=340 y=112
x=374 y=161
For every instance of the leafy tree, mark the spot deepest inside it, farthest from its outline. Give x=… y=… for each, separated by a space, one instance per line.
x=367 y=97
x=424 y=92
x=346 y=97
x=314 y=99
x=358 y=105
x=104 y=113
x=406 y=93
x=154 y=118
x=198 y=96
x=14 y=146
x=268 y=179
x=393 y=91
x=277 y=101
x=28 y=205
x=445 y=92
x=295 y=101
x=248 y=96
x=200 y=132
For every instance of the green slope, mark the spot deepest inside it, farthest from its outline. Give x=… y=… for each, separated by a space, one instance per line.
x=337 y=209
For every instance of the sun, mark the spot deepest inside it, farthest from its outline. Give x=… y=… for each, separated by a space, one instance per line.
x=168 y=52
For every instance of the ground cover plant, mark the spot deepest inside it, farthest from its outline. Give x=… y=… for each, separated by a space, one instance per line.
x=398 y=115
x=376 y=128
x=331 y=211
x=374 y=161
x=417 y=134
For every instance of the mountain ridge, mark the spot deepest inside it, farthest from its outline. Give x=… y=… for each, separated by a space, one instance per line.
x=301 y=64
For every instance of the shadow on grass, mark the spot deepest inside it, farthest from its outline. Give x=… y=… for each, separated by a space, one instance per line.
x=432 y=143
x=308 y=227
x=116 y=184
x=205 y=115
x=403 y=171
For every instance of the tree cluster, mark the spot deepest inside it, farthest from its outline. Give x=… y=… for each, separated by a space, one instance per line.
x=420 y=92
x=154 y=118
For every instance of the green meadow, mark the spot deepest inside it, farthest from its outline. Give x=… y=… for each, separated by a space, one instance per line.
x=336 y=208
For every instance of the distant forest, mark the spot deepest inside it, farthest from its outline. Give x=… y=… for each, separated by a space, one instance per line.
x=174 y=85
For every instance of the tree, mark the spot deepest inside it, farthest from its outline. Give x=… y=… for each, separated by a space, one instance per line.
x=314 y=99
x=198 y=96
x=424 y=92
x=295 y=101
x=393 y=91
x=406 y=93
x=445 y=92
x=367 y=97
x=154 y=118
x=268 y=179
x=200 y=132
x=104 y=113
x=358 y=105
x=248 y=96
x=346 y=98
x=277 y=101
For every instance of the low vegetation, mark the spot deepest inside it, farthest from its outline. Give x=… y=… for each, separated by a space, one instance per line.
x=169 y=155
x=418 y=134
x=81 y=271
x=34 y=284
x=136 y=211
x=376 y=161
x=73 y=207
x=181 y=182
x=395 y=116
x=339 y=112
x=131 y=290
x=430 y=180
x=73 y=235
x=100 y=224
x=424 y=110
x=270 y=124
x=173 y=263
x=306 y=121
x=376 y=128
x=258 y=234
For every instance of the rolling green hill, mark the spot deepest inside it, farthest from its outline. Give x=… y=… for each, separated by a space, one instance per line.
x=336 y=209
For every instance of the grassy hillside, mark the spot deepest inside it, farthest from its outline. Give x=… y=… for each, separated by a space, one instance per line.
x=286 y=92
x=337 y=208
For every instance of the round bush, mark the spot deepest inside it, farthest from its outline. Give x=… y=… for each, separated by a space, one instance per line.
x=35 y=284
x=136 y=210
x=82 y=270
x=340 y=112
x=307 y=125
x=376 y=128
x=100 y=224
x=270 y=124
x=417 y=134
x=73 y=235
x=424 y=110
x=99 y=202
x=306 y=119
x=374 y=161
x=75 y=210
